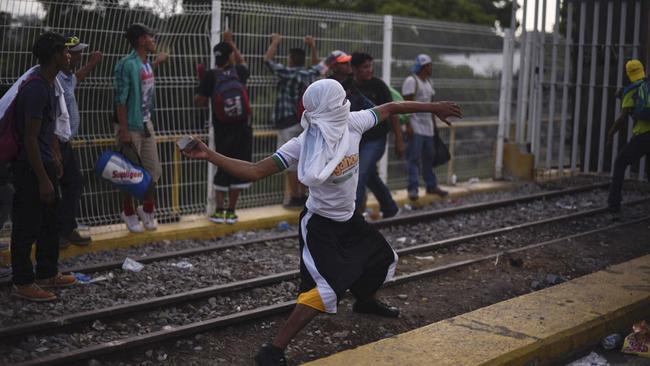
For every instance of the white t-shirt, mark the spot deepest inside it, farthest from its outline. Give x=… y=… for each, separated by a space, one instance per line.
x=334 y=198
x=147 y=81
x=421 y=123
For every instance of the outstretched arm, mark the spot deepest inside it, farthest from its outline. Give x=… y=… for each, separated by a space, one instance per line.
x=311 y=42
x=94 y=58
x=443 y=110
x=241 y=169
x=273 y=47
x=227 y=37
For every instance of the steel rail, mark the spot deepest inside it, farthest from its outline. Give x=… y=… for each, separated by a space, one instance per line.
x=173 y=299
x=276 y=309
x=405 y=219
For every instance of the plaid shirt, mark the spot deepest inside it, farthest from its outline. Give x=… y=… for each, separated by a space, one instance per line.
x=291 y=85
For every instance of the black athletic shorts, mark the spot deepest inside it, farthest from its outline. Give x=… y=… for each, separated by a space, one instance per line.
x=337 y=256
x=233 y=140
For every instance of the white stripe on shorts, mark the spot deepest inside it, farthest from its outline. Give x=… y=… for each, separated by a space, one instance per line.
x=391 y=269
x=326 y=292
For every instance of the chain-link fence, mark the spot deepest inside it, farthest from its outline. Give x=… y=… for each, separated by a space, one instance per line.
x=467 y=62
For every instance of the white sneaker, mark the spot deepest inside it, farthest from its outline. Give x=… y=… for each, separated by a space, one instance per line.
x=132 y=223
x=147 y=218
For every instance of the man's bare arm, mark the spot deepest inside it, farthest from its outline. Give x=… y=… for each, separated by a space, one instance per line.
x=94 y=59
x=273 y=47
x=241 y=169
x=443 y=110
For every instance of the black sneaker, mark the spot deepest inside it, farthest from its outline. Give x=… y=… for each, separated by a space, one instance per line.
x=375 y=307
x=615 y=213
x=270 y=355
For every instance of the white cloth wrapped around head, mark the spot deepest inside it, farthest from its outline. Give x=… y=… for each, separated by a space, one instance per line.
x=325 y=139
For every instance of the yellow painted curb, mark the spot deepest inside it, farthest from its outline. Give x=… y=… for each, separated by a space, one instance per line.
x=249 y=219
x=539 y=328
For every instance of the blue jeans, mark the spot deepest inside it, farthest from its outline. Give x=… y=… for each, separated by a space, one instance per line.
x=420 y=156
x=370 y=152
x=71 y=184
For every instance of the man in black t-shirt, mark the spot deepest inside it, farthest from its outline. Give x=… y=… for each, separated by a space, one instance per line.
x=366 y=92
x=36 y=173
x=233 y=139
x=340 y=70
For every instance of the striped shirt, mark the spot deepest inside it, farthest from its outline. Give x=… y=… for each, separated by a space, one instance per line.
x=292 y=82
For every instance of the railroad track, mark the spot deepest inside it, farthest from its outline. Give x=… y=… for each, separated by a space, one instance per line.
x=273 y=309
x=403 y=220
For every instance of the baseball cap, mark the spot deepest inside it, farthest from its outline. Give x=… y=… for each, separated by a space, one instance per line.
x=337 y=56
x=74 y=44
x=135 y=30
x=222 y=52
x=420 y=61
x=634 y=70
x=47 y=44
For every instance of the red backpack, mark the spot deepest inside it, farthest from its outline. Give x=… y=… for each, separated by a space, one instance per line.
x=9 y=139
x=230 y=98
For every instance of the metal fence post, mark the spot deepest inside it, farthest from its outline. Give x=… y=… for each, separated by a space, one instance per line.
x=506 y=84
x=578 y=99
x=386 y=62
x=522 y=89
x=537 y=119
x=592 y=86
x=553 y=87
x=619 y=77
x=635 y=54
x=215 y=37
x=565 y=87
x=603 y=103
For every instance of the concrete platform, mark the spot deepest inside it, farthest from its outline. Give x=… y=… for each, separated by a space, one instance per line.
x=539 y=328
x=199 y=227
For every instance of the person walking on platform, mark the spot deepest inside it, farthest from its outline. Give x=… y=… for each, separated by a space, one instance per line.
x=72 y=181
x=639 y=144
x=420 y=130
x=36 y=173
x=293 y=79
x=368 y=91
x=233 y=136
x=340 y=251
x=134 y=97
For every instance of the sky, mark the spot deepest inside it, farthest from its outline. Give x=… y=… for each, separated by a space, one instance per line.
x=530 y=14
x=25 y=7
x=33 y=7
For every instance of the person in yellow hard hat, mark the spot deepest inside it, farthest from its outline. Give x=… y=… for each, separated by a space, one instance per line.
x=639 y=144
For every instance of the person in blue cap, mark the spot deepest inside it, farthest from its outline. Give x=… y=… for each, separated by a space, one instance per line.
x=420 y=130
x=72 y=180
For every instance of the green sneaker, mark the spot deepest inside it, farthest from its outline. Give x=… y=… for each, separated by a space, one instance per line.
x=231 y=217
x=218 y=217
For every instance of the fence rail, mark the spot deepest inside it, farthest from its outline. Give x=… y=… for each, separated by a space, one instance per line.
x=461 y=72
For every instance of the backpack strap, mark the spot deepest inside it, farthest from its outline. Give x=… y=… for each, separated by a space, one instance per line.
x=634 y=85
x=417 y=85
x=33 y=76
